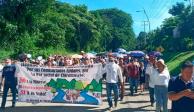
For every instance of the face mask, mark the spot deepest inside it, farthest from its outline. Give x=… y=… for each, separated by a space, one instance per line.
x=8 y=64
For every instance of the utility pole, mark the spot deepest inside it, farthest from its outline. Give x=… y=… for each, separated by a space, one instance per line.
x=148 y=20
x=144 y=11
x=144 y=27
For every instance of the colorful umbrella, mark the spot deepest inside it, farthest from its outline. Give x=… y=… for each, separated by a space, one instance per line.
x=155 y=53
x=137 y=53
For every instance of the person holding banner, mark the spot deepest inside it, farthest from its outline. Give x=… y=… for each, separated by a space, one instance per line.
x=114 y=73
x=10 y=82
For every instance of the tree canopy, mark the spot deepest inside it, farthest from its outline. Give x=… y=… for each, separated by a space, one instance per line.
x=35 y=26
x=176 y=33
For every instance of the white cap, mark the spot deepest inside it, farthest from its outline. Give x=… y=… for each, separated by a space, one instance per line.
x=39 y=58
x=162 y=62
x=29 y=55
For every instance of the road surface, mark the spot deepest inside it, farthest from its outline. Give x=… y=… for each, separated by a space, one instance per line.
x=137 y=103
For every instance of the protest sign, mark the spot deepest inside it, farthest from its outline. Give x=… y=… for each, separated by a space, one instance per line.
x=74 y=85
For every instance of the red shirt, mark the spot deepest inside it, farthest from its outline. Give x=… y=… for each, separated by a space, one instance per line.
x=133 y=70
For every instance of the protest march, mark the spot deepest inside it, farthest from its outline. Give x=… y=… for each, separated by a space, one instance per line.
x=96 y=55
x=54 y=80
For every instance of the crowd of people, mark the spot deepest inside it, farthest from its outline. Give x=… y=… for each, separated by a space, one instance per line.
x=148 y=72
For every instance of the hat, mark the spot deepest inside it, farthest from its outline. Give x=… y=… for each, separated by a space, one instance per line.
x=146 y=57
x=82 y=52
x=162 y=62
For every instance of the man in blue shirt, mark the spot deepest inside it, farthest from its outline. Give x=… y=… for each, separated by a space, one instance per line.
x=9 y=79
x=181 y=89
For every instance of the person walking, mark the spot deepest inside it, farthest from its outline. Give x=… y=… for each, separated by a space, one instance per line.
x=142 y=77
x=150 y=69
x=121 y=86
x=114 y=74
x=10 y=82
x=162 y=78
x=133 y=72
x=181 y=89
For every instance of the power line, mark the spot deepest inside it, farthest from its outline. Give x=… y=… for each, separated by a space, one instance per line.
x=151 y=6
x=166 y=8
x=156 y=7
x=161 y=8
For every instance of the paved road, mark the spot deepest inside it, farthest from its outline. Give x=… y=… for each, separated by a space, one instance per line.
x=137 y=103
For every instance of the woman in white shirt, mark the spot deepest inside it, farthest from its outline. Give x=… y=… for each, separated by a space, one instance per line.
x=162 y=78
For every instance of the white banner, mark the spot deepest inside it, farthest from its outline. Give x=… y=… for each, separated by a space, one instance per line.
x=74 y=85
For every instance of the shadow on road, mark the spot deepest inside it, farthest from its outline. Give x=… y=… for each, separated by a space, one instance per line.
x=138 y=102
x=70 y=109
x=52 y=109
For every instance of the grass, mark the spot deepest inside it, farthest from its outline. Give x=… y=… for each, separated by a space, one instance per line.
x=174 y=60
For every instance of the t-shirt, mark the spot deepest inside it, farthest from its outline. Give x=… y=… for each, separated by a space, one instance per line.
x=9 y=73
x=184 y=104
x=113 y=73
x=150 y=70
x=133 y=70
x=162 y=78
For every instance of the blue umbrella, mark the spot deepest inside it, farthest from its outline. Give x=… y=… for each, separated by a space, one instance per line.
x=137 y=54
x=155 y=53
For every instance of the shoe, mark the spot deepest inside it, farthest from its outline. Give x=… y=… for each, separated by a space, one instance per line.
x=13 y=105
x=152 y=104
x=115 y=104
x=110 y=108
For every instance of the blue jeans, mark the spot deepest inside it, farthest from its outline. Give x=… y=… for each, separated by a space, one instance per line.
x=152 y=97
x=7 y=86
x=109 y=88
x=161 y=93
x=133 y=85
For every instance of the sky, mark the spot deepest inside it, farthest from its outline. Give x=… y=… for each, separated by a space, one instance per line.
x=157 y=10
